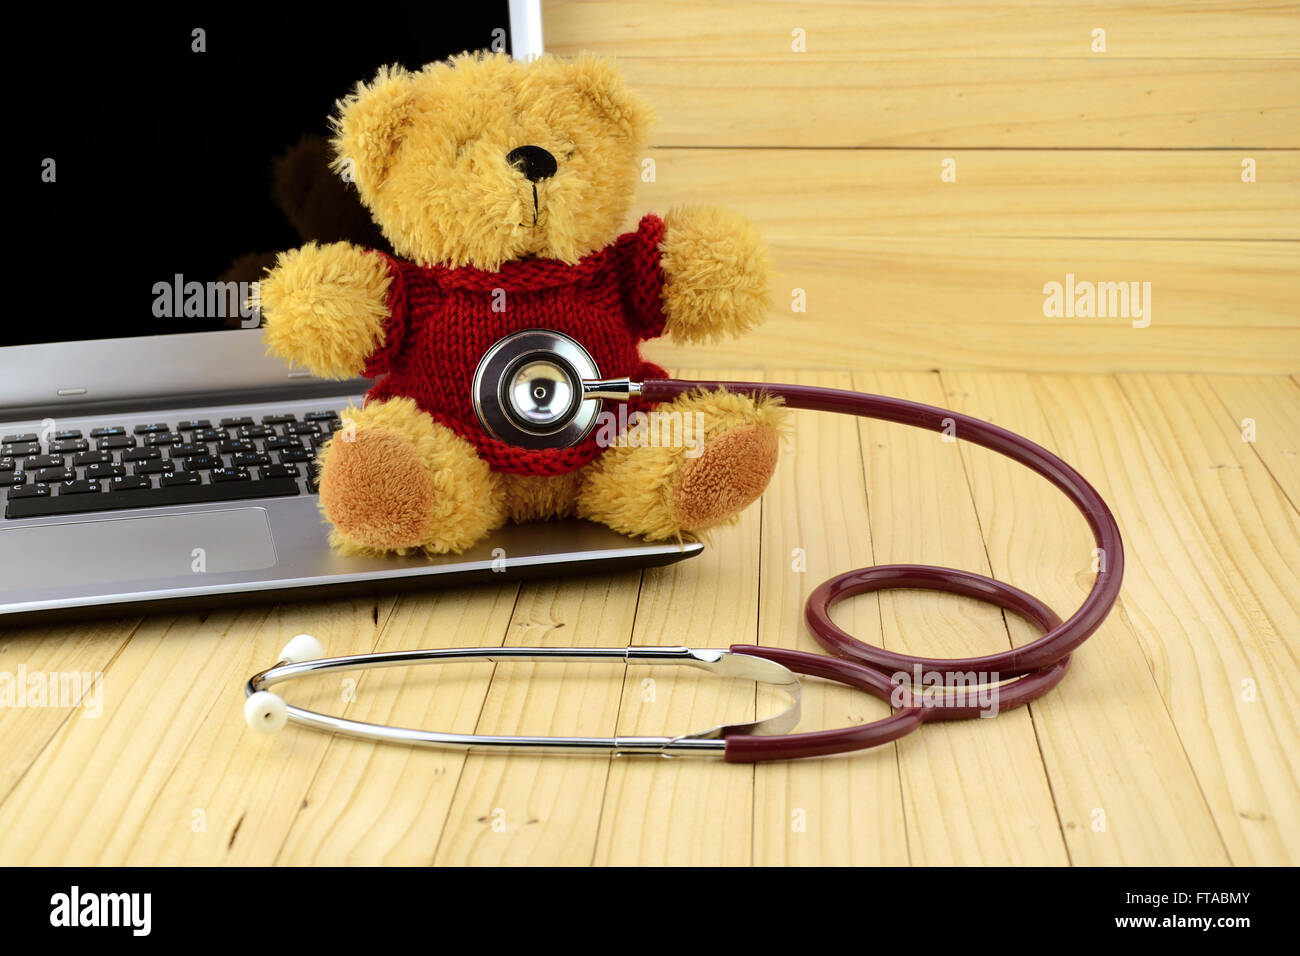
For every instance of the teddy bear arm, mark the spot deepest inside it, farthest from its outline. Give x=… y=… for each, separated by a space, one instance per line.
x=717 y=275
x=325 y=308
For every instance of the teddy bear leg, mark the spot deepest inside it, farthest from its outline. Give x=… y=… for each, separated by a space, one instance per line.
x=538 y=498
x=661 y=488
x=393 y=479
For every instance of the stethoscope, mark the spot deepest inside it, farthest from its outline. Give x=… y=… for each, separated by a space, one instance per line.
x=541 y=389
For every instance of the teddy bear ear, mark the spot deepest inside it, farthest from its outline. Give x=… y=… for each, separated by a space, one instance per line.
x=601 y=82
x=369 y=125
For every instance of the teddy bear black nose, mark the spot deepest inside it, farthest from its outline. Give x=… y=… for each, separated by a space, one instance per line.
x=533 y=161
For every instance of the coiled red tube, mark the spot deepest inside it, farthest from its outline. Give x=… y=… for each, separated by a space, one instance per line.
x=1036 y=667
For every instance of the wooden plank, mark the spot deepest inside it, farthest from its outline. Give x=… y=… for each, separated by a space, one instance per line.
x=1123 y=787
x=1266 y=414
x=1198 y=641
x=978 y=305
x=545 y=810
x=845 y=812
x=371 y=803
x=922 y=513
x=922 y=30
x=135 y=786
x=1253 y=533
x=66 y=664
x=687 y=810
x=797 y=194
x=792 y=101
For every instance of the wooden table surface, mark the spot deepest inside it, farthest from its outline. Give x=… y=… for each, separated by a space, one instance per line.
x=1169 y=158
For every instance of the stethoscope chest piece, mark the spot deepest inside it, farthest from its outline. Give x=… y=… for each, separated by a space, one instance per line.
x=528 y=390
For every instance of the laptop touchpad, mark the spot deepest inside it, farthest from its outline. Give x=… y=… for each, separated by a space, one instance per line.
x=134 y=549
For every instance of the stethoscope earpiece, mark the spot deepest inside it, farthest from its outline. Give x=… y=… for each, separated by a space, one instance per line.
x=265 y=711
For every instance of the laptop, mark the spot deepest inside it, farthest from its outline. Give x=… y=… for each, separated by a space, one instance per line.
x=152 y=456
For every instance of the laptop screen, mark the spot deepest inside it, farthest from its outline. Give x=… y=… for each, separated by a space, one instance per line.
x=168 y=157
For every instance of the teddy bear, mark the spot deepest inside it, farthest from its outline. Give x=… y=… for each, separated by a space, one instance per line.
x=502 y=187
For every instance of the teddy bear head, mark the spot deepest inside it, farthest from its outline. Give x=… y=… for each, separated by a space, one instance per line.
x=481 y=159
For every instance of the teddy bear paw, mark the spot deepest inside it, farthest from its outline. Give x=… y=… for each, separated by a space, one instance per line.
x=727 y=476
x=376 y=492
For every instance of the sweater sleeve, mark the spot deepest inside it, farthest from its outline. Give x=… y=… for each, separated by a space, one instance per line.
x=641 y=279
x=381 y=360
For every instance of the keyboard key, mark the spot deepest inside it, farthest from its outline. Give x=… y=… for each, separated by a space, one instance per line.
x=207 y=434
x=55 y=474
x=96 y=458
x=232 y=445
x=43 y=461
x=193 y=423
x=8 y=479
x=105 y=471
x=275 y=444
x=189 y=450
x=313 y=477
x=69 y=445
x=6 y=464
x=111 y=500
x=243 y=459
x=70 y=433
x=79 y=488
x=277 y=419
x=231 y=474
x=20 y=439
x=156 y=467
x=202 y=462
x=115 y=441
x=320 y=416
x=107 y=431
x=130 y=483
x=140 y=454
x=280 y=471
x=151 y=429
x=256 y=431
x=172 y=479
x=302 y=428
x=295 y=455
x=162 y=439
x=21 y=449
x=236 y=422
x=29 y=491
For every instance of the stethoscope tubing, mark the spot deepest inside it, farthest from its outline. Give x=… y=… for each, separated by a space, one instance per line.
x=918 y=689
x=1034 y=668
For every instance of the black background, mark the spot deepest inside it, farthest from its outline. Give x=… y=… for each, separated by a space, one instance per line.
x=164 y=155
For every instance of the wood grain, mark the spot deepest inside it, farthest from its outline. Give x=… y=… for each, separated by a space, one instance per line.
x=1199 y=642
x=803 y=194
x=953 y=304
x=1123 y=787
x=792 y=101
x=815 y=524
x=934 y=29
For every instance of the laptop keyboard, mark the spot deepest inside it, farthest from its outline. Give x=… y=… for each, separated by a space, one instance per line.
x=112 y=467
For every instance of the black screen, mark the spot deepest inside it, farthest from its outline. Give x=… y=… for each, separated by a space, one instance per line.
x=198 y=155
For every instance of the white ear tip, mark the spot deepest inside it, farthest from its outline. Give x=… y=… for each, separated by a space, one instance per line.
x=304 y=647
x=265 y=712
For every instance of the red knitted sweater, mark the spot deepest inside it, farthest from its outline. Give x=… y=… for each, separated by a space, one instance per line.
x=441 y=322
